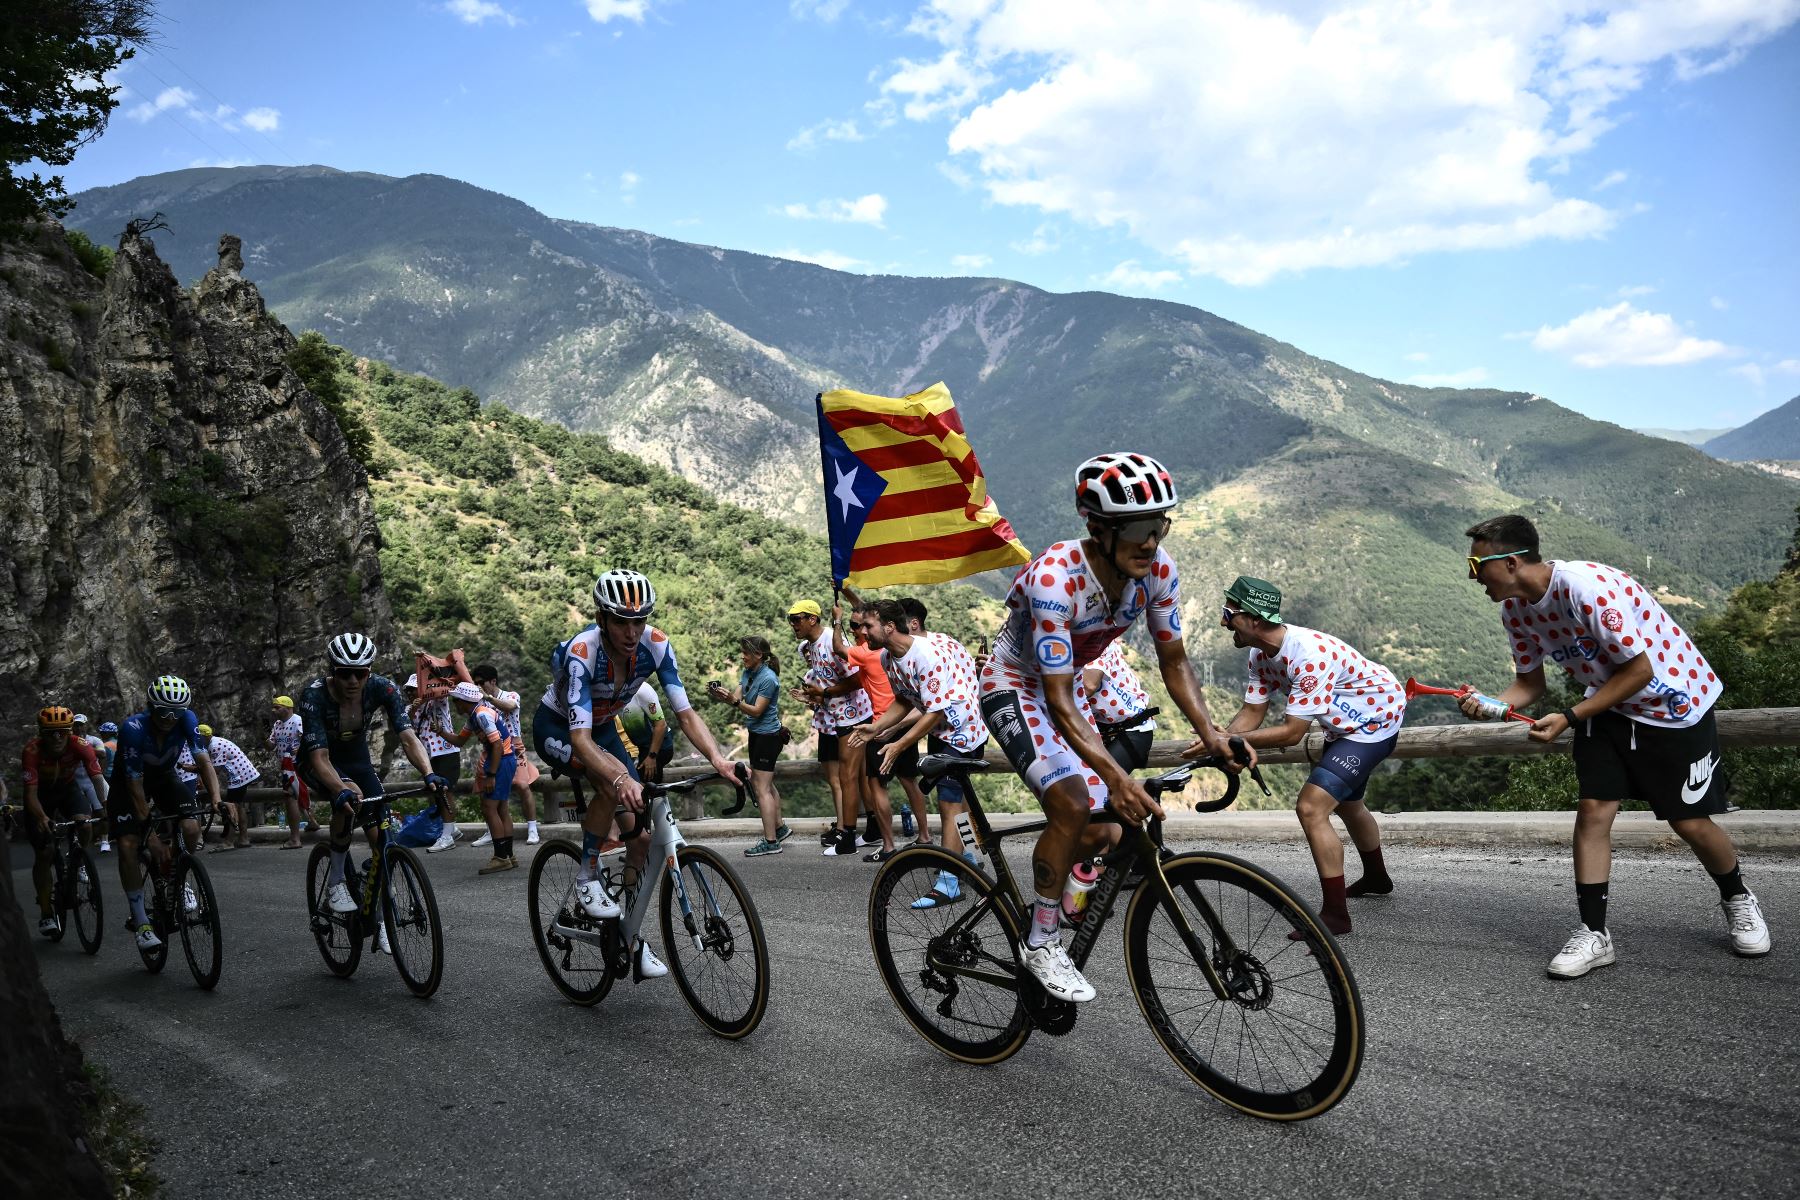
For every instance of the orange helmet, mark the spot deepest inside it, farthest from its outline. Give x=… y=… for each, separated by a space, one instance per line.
x=55 y=717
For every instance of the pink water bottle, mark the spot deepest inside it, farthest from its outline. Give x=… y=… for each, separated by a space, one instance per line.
x=1075 y=891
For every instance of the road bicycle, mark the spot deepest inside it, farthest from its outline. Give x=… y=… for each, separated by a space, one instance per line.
x=393 y=878
x=1242 y=985
x=711 y=934
x=180 y=898
x=75 y=890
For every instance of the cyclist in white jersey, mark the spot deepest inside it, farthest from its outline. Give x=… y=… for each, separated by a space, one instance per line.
x=1065 y=607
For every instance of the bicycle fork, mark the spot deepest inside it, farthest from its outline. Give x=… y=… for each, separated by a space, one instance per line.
x=1226 y=949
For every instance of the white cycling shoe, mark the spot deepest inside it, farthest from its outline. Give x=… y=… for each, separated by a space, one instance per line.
x=49 y=926
x=1049 y=964
x=146 y=937
x=648 y=965
x=339 y=898
x=190 y=903
x=596 y=903
x=381 y=939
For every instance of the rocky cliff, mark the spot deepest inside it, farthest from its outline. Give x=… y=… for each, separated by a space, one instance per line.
x=176 y=500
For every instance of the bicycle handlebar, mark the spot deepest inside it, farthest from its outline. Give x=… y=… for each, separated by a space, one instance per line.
x=654 y=791
x=933 y=767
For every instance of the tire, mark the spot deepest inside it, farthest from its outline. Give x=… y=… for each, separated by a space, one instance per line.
x=338 y=935
x=201 y=939
x=157 y=903
x=1287 y=1045
x=414 y=932
x=59 y=899
x=87 y=902
x=581 y=970
x=725 y=980
x=972 y=1020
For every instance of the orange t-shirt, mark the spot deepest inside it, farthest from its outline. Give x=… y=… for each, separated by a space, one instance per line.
x=874 y=678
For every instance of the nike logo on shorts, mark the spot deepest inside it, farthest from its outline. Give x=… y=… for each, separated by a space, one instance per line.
x=1699 y=779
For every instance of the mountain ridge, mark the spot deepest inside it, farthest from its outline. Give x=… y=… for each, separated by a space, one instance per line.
x=1774 y=435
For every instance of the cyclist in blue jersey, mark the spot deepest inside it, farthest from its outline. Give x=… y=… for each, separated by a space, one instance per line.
x=593 y=676
x=144 y=771
x=334 y=752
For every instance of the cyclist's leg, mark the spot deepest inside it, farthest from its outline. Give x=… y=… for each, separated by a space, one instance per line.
x=126 y=836
x=43 y=874
x=638 y=848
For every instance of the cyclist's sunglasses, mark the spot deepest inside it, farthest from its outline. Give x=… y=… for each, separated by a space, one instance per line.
x=166 y=714
x=351 y=673
x=1475 y=563
x=1142 y=529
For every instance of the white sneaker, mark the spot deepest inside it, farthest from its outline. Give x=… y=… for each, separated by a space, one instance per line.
x=595 y=902
x=486 y=839
x=531 y=835
x=106 y=845
x=445 y=840
x=146 y=937
x=648 y=965
x=1584 y=951
x=381 y=939
x=1744 y=919
x=49 y=926
x=1050 y=965
x=190 y=903
x=340 y=899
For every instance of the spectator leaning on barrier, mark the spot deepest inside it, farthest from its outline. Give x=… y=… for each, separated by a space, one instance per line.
x=1643 y=729
x=285 y=729
x=1358 y=704
x=431 y=719
x=756 y=700
x=506 y=703
x=236 y=774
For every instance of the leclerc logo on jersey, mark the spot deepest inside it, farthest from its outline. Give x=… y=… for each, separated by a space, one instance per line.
x=1055 y=652
x=1678 y=702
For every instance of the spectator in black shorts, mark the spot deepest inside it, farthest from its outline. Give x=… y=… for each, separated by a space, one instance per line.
x=756 y=701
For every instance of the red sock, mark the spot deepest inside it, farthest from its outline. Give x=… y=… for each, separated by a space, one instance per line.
x=1375 y=881
x=1333 y=911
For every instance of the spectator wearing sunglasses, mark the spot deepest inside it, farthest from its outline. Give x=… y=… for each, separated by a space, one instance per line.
x=1357 y=703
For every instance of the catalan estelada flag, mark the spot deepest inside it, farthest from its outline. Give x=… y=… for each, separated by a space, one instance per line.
x=905 y=497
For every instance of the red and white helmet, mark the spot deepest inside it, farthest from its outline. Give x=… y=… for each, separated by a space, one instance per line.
x=1123 y=485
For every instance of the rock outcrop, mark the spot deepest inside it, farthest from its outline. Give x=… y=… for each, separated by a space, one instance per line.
x=176 y=500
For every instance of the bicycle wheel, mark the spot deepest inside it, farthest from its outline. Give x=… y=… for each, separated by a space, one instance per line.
x=952 y=968
x=577 y=951
x=87 y=901
x=200 y=935
x=338 y=934
x=411 y=913
x=157 y=905
x=715 y=943
x=60 y=893
x=1288 y=1040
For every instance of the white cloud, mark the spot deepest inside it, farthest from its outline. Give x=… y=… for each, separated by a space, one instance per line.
x=220 y=162
x=1788 y=366
x=1748 y=371
x=1623 y=336
x=628 y=184
x=176 y=98
x=970 y=262
x=818 y=10
x=1418 y=356
x=1613 y=179
x=263 y=120
x=823 y=258
x=1452 y=379
x=1633 y=290
x=1719 y=304
x=825 y=131
x=1247 y=142
x=1043 y=240
x=628 y=10
x=1130 y=276
x=864 y=210
x=476 y=12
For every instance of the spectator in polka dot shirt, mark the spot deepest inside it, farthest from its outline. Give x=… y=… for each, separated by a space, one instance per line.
x=1359 y=704
x=1643 y=731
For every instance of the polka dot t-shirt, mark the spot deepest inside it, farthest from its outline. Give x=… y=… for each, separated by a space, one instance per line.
x=1058 y=620
x=1120 y=697
x=936 y=674
x=1327 y=680
x=1593 y=620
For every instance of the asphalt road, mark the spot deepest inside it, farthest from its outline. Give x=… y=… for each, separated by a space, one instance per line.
x=1675 y=1073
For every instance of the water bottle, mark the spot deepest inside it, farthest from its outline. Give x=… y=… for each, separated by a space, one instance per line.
x=1075 y=891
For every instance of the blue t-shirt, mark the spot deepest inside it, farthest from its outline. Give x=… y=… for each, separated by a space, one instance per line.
x=755 y=687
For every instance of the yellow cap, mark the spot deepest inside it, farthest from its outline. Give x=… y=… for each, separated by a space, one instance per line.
x=805 y=607
x=203 y=730
x=284 y=702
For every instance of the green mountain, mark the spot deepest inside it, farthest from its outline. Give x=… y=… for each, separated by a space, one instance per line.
x=1350 y=491
x=1774 y=435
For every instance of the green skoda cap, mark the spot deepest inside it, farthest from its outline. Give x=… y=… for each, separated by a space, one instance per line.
x=1256 y=596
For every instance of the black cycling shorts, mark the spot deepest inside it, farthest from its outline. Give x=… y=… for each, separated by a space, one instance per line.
x=1677 y=772
x=1130 y=748
x=163 y=789
x=765 y=749
x=364 y=777
x=828 y=747
x=906 y=765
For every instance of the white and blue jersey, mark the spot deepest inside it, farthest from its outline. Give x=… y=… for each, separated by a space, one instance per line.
x=587 y=689
x=142 y=748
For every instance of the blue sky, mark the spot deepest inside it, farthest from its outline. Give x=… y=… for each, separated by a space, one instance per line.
x=1594 y=202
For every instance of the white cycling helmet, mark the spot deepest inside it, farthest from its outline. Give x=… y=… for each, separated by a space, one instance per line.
x=1123 y=485
x=624 y=594
x=169 y=691
x=351 y=650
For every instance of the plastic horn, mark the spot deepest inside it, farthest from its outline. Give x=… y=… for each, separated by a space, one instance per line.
x=1415 y=688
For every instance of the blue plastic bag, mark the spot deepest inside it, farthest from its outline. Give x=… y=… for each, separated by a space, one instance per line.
x=421 y=829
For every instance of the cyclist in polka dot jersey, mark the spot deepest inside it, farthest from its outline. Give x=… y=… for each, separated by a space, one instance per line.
x=1065 y=607
x=1643 y=729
